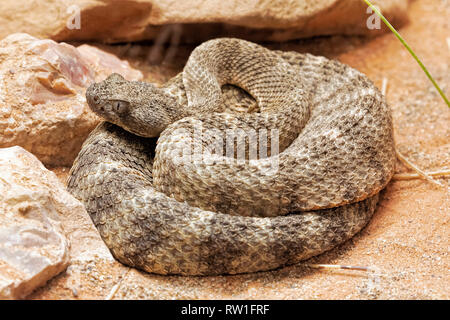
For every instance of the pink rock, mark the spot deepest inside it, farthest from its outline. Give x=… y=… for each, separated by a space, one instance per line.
x=105 y=63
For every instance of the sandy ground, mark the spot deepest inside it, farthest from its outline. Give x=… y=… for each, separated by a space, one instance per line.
x=406 y=243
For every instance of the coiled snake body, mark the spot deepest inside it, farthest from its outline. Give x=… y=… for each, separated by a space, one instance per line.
x=170 y=211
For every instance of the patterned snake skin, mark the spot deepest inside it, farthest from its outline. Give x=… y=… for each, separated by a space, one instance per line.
x=182 y=204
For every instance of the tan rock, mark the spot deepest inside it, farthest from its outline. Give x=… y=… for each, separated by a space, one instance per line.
x=120 y=20
x=38 y=220
x=42 y=87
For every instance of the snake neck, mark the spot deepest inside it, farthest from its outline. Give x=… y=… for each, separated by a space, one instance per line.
x=178 y=107
x=175 y=109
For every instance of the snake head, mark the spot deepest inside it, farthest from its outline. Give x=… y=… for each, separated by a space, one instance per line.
x=138 y=107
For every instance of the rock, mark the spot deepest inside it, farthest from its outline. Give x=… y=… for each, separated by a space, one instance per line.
x=38 y=220
x=145 y=19
x=42 y=87
x=85 y=241
x=103 y=64
x=33 y=247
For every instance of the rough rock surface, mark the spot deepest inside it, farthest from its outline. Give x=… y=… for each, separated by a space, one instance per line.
x=406 y=243
x=42 y=86
x=35 y=235
x=133 y=20
x=33 y=247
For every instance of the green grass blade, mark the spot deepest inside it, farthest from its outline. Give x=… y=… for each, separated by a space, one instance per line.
x=410 y=51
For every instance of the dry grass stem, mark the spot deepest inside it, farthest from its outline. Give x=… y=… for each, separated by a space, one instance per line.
x=338 y=266
x=412 y=176
x=420 y=172
x=384 y=86
x=116 y=287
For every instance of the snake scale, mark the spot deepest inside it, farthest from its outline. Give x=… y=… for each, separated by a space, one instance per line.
x=165 y=209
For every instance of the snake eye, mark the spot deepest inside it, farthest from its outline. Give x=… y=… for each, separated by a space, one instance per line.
x=120 y=106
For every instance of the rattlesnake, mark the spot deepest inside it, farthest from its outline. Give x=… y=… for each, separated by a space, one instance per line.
x=166 y=213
